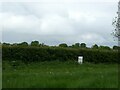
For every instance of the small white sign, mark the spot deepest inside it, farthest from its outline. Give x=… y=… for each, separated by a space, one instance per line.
x=80 y=59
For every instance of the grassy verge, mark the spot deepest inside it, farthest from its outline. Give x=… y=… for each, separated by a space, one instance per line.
x=59 y=75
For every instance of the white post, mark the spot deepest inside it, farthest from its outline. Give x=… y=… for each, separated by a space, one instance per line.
x=80 y=59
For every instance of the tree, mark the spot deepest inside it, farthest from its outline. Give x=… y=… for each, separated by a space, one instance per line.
x=23 y=44
x=0 y=44
x=116 y=47
x=63 y=45
x=83 y=45
x=43 y=45
x=116 y=24
x=35 y=43
x=95 y=46
x=14 y=44
x=104 y=48
x=77 y=45
x=6 y=44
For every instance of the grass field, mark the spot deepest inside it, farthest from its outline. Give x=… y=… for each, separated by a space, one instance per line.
x=0 y=75
x=60 y=75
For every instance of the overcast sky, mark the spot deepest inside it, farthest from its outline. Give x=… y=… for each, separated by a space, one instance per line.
x=58 y=21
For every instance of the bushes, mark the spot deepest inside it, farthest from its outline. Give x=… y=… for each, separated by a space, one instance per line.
x=34 y=54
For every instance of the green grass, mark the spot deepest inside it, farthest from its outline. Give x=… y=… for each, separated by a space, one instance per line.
x=0 y=75
x=60 y=75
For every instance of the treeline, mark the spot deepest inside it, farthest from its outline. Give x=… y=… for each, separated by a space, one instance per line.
x=76 y=45
x=40 y=52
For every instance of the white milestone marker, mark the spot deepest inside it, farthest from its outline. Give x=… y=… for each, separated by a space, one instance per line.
x=80 y=59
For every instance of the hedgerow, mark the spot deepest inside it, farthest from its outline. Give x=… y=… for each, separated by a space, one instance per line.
x=35 y=54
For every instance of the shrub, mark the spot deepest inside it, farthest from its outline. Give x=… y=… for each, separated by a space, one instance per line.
x=34 y=54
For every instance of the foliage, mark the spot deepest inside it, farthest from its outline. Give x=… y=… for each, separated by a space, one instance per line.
x=116 y=47
x=76 y=45
x=35 y=43
x=116 y=24
x=83 y=45
x=105 y=48
x=34 y=54
x=6 y=44
x=23 y=44
x=63 y=45
x=95 y=46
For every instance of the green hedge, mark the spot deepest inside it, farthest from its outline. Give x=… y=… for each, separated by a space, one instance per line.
x=33 y=54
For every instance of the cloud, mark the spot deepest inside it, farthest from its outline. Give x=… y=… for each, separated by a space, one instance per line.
x=92 y=37
x=19 y=23
x=78 y=16
x=60 y=1
x=55 y=22
x=50 y=24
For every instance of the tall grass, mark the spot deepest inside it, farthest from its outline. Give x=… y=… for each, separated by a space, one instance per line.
x=57 y=74
x=0 y=75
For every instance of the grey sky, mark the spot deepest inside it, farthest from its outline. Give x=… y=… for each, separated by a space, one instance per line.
x=53 y=22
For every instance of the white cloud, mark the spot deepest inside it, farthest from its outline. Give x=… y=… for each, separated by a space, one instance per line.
x=54 y=24
x=59 y=1
x=19 y=23
x=82 y=16
x=92 y=37
x=60 y=21
x=49 y=24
